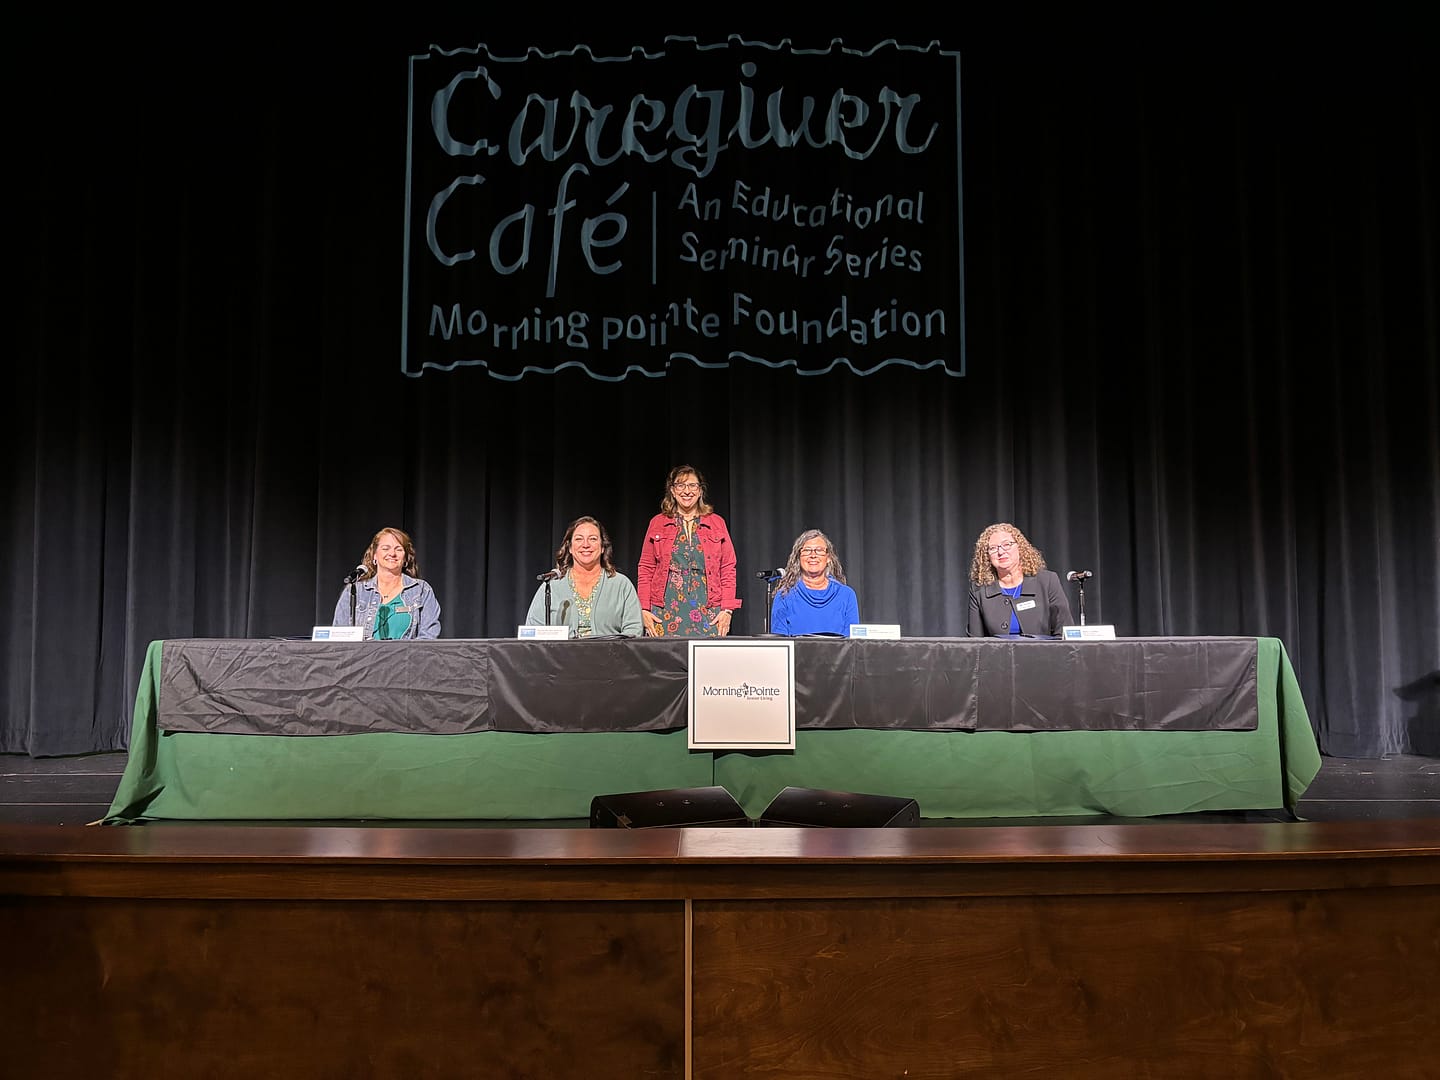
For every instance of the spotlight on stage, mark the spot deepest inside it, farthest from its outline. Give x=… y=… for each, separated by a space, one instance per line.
x=839 y=810
x=708 y=806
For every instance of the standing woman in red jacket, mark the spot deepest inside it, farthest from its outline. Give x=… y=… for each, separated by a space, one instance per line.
x=686 y=577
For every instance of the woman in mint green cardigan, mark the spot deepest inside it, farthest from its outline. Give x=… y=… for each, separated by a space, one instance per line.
x=587 y=594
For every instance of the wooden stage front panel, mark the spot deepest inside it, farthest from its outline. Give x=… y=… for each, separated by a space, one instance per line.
x=1110 y=951
x=267 y=988
x=1219 y=985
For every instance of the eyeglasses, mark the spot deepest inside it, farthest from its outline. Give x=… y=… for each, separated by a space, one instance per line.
x=996 y=549
x=686 y=487
x=812 y=552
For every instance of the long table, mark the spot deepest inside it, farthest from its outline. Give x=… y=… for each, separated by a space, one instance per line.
x=968 y=728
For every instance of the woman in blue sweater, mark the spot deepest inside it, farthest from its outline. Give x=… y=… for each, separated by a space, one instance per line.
x=812 y=597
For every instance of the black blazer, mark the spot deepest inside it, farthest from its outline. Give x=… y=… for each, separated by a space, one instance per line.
x=1042 y=608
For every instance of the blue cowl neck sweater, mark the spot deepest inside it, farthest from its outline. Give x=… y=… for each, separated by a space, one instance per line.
x=830 y=610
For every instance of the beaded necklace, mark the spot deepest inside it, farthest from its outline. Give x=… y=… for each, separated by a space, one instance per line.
x=584 y=606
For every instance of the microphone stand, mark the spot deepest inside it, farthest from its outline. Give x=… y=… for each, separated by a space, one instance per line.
x=350 y=579
x=547 y=577
x=1081 y=583
x=770 y=580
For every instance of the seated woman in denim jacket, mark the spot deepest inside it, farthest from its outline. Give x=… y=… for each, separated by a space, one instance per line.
x=391 y=600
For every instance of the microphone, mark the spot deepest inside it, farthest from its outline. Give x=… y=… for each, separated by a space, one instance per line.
x=548 y=575
x=770 y=575
x=1078 y=575
x=356 y=574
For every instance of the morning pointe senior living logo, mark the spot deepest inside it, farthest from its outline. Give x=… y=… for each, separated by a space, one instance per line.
x=744 y=690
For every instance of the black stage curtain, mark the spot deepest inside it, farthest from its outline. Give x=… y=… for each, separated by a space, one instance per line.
x=1201 y=281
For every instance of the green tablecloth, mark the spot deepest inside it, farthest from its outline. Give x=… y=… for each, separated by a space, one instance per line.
x=506 y=775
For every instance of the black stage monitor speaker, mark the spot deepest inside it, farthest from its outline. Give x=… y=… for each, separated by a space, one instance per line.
x=839 y=810
x=713 y=806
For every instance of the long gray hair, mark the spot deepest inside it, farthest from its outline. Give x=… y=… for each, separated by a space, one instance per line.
x=792 y=564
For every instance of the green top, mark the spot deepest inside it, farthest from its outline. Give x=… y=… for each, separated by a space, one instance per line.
x=392 y=619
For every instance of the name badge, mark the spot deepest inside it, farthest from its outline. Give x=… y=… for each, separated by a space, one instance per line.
x=1025 y=605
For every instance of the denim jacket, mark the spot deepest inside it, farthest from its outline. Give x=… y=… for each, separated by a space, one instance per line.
x=420 y=602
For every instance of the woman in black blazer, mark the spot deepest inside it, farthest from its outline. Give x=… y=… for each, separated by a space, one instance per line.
x=1011 y=592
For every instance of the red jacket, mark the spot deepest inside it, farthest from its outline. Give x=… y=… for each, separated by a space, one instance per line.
x=715 y=545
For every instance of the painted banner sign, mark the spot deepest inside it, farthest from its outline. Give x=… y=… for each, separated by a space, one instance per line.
x=698 y=203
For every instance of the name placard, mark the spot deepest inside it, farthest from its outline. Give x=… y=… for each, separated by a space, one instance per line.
x=338 y=633
x=1088 y=633
x=875 y=630
x=543 y=633
x=742 y=695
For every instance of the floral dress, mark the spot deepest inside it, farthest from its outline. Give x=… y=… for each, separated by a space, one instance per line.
x=684 y=613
